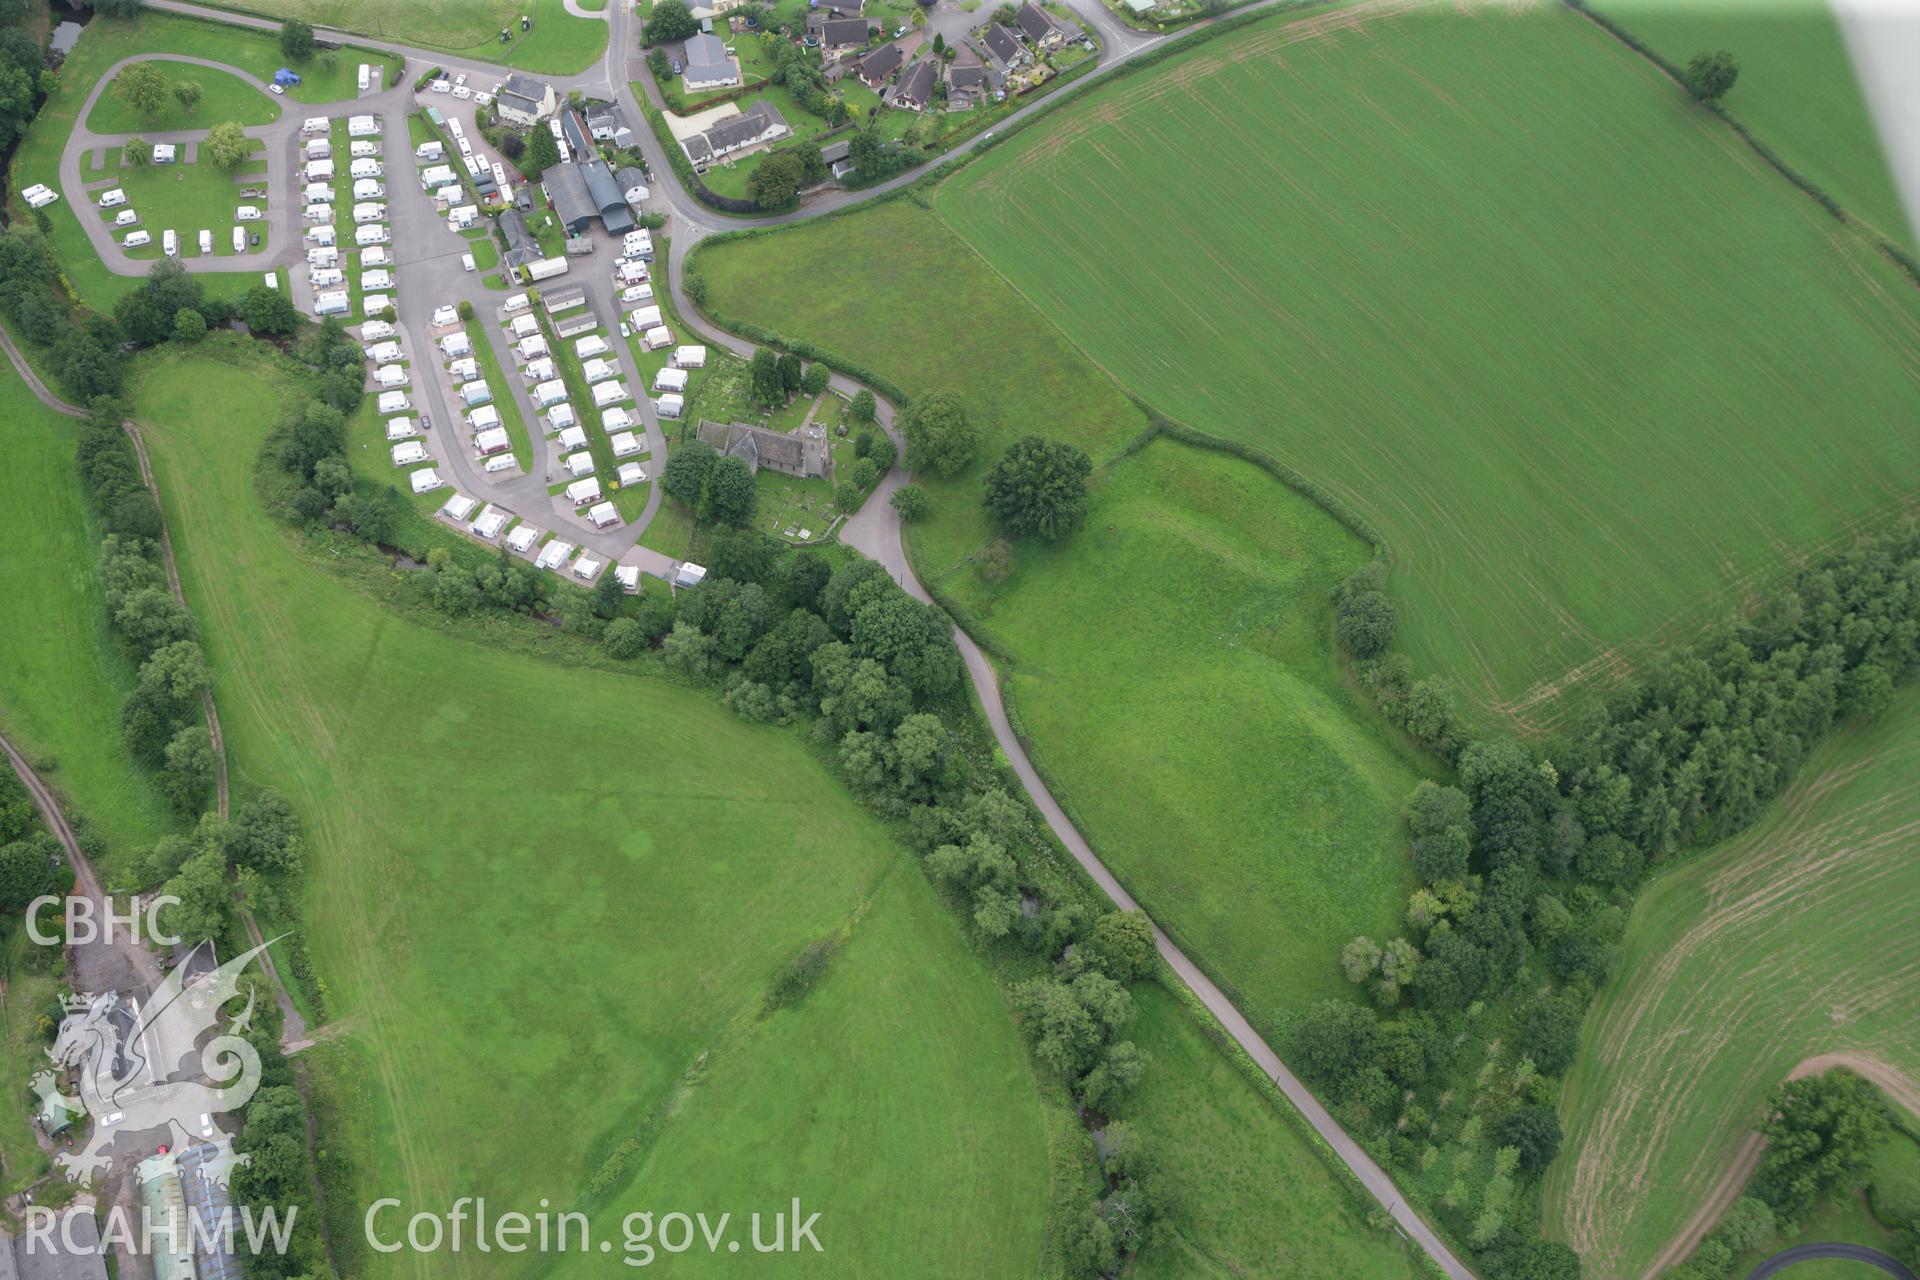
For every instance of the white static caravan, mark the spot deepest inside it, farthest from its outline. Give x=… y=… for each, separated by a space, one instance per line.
x=317 y=193
x=378 y=278
x=384 y=352
x=164 y=152
x=319 y=170
x=525 y=327
x=430 y=150
x=615 y=419
x=585 y=491
x=392 y=402
x=476 y=392
x=372 y=233
x=335 y=303
x=532 y=348
x=492 y=441
x=465 y=369
x=376 y=331
x=408 y=452
x=373 y=304
x=368 y=189
x=362 y=149
x=516 y=302
x=425 y=480
x=319 y=213
x=599 y=371
x=643 y=319
x=654 y=339
x=670 y=379
x=603 y=515
x=631 y=474
x=363 y=213
x=376 y=257
x=485 y=418
x=315 y=124
x=586 y=567
x=629 y=575
x=670 y=405
x=689 y=357
x=458 y=507
x=319 y=149
x=549 y=393
x=390 y=375
x=606 y=393
x=320 y=257
x=522 y=538
x=445 y=315
x=631 y=273
x=625 y=444
x=449 y=196
x=555 y=553
x=325 y=277
x=467 y=215
x=437 y=176
x=402 y=429
x=540 y=370
x=573 y=438
x=363 y=126
x=489 y=523
x=560 y=416
x=636 y=293
x=322 y=236
x=364 y=167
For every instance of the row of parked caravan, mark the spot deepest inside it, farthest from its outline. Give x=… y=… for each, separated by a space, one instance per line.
x=125 y=216
x=327 y=263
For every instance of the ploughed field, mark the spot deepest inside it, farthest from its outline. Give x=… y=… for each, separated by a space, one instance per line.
x=1596 y=373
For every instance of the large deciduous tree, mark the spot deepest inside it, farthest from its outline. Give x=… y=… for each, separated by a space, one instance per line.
x=142 y=86
x=940 y=439
x=1039 y=487
x=1709 y=76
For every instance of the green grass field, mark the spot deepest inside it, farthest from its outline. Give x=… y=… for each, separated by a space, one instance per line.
x=62 y=675
x=1789 y=942
x=1596 y=372
x=930 y=314
x=227 y=97
x=25 y=994
x=559 y=43
x=1181 y=642
x=1252 y=1199
x=1797 y=90
x=190 y=198
x=543 y=892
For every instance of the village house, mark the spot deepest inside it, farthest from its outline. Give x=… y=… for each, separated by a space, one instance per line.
x=966 y=84
x=1039 y=26
x=709 y=65
x=878 y=65
x=915 y=90
x=841 y=35
x=524 y=100
x=1003 y=49
x=759 y=126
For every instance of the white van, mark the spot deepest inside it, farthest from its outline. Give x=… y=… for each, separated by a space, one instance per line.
x=206 y=243
x=239 y=239
x=125 y=218
x=135 y=239
x=246 y=213
x=170 y=243
x=322 y=277
x=112 y=199
x=466 y=261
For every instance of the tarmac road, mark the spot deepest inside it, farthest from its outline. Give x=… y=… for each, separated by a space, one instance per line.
x=1847 y=1252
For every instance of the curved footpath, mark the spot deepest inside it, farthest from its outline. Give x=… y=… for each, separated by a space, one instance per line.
x=292 y=1025
x=1845 y=1252
x=875 y=529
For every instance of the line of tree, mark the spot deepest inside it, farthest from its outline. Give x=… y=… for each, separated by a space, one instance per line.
x=1530 y=865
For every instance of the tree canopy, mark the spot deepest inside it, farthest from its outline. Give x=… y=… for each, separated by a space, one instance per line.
x=1039 y=487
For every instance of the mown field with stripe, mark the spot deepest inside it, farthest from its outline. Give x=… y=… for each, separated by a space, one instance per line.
x=1784 y=951
x=1595 y=371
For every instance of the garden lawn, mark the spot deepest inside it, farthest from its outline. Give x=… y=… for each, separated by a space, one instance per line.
x=1181 y=642
x=27 y=993
x=925 y=311
x=503 y=398
x=1790 y=941
x=226 y=97
x=63 y=676
x=542 y=892
x=1797 y=91
x=559 y=44
x=1250 y=1196
x=1596 y=372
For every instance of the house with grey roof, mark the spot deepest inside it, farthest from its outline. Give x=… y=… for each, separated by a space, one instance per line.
x=758 y=126
x=966 y=84
x=800 y=453
x=838 y=157
x=1039 y=26
x=709 y=65
x=881 y=63
x=522 y=248
x=524 y=100
x=606 y=122
x=837 y=35
x=30 y=1257
x=915 y=90
x=1003 y=48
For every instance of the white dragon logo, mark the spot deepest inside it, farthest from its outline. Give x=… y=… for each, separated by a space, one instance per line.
x=126 y=1068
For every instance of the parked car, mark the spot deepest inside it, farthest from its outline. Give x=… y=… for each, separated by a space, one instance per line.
x=276 y=89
